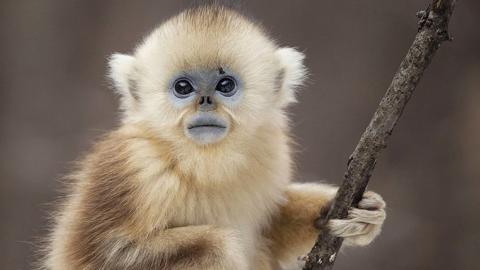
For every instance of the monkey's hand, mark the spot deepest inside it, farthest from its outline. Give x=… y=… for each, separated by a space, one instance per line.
x=363 y=224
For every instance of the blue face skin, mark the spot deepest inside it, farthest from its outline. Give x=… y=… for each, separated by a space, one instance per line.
x=206 y=89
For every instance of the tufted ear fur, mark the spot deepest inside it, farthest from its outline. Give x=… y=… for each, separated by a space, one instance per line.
x=121 y=73
x=292 y=74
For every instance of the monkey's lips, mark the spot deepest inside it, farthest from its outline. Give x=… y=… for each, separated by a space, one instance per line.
x=206 y=128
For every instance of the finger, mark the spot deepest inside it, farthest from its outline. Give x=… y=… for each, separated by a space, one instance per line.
x=364 y=239
x=347 y=228
x=376 y=217
x=371 y=200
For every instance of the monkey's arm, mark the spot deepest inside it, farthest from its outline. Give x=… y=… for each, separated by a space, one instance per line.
x=190 y=247
x=293 y=232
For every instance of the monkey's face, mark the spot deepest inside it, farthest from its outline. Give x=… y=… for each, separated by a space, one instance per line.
x=206 y=93
x=207 y=79
x=215 y=102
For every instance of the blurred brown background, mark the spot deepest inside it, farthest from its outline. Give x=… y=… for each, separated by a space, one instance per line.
x=55 y=100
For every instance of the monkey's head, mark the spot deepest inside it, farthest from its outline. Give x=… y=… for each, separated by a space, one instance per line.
x=205 y=76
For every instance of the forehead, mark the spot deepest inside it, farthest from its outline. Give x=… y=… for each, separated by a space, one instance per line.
x=205 y=77
x=208 y=39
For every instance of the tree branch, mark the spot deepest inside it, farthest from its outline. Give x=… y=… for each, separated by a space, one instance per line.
x=432 y=31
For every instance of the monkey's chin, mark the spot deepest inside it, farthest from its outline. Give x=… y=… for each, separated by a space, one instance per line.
x=206 y=128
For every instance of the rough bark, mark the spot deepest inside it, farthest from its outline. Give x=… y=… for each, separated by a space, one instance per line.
x=432 y=31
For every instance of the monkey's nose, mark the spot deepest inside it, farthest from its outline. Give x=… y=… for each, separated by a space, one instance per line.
x=206 y=99
x=206 y=104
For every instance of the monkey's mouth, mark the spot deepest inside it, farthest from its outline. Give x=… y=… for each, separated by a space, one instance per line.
x=206 y=128
x=206 y=120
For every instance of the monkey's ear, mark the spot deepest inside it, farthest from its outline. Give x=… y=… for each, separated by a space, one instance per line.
x=122 y=75
x=292 y=74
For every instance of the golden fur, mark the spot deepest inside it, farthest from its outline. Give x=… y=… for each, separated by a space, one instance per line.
x=147 y=197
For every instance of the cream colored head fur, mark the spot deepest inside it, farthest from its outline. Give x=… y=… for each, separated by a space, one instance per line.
x=207 y=37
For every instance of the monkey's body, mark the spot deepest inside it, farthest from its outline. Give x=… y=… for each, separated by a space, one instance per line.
x=165 y=192
x=130 y=188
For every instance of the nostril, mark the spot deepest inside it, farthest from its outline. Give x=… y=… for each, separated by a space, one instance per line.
x=202 y=100
x=209 y=100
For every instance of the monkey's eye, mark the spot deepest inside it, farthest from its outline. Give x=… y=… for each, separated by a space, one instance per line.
x=183 y=88
x=226 y=87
